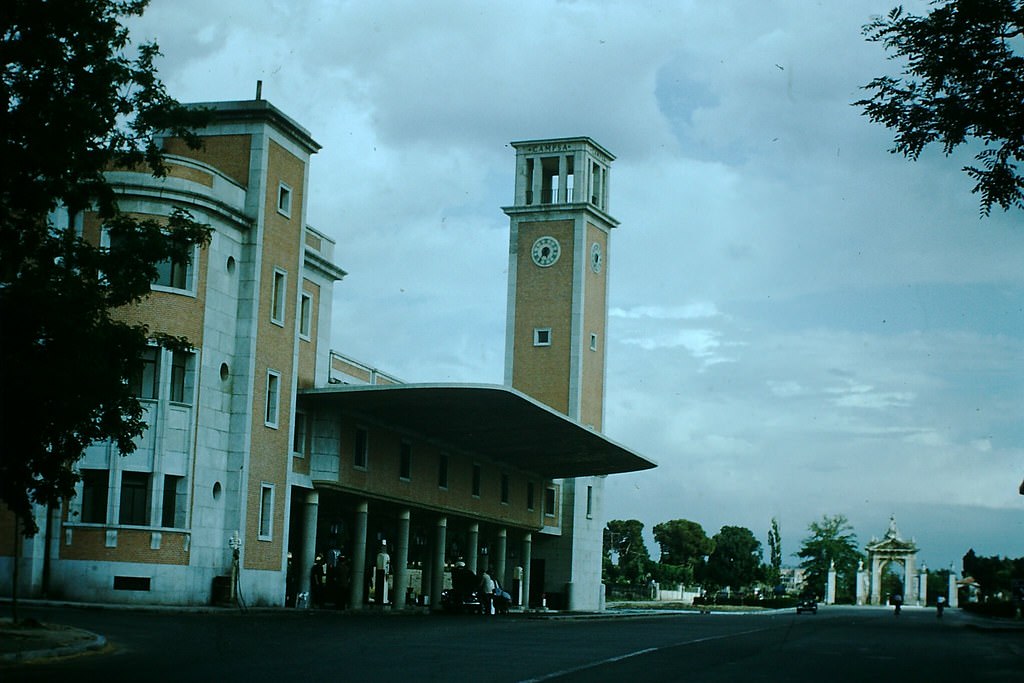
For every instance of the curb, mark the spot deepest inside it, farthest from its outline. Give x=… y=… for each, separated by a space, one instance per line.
x=98 y=642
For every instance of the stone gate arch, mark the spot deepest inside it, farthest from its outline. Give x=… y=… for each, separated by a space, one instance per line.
x=892 y=548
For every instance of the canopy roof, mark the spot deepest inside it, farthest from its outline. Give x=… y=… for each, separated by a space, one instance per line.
x=493 y=421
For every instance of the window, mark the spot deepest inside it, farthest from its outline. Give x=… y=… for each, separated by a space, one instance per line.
x=146 y=381
x=504 y=489
x=173 y=510
x=266 y=531
x=593 y=342
x=174 y=274
x=476 y=481
x=306 y=315
x=542 y=336
x=549 y=501
x=405 y=461
x=94 y=496
x=301 y=435
x=170 y=273
x=180 y=391
x=590 y=502
x=278 y=295
x=134 y=499
x=362 y=445
x=442 y=471
x=529 y=495
x=284 y=200
x=273 y=398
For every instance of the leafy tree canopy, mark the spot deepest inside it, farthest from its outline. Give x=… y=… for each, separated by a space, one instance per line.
x=994 y=574
x=962 y=80
x=682 y=542
x=78 y=100
x=624 y=539
x=736 y=559
x=773 y=571
x=831 y=540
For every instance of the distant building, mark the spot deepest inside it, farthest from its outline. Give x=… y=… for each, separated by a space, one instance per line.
x=264 y=442
x=792 y=579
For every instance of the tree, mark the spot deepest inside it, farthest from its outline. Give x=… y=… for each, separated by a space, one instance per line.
x=773 y=571
x=962 y=80
x=684 y=545
x=78 y=102
x=831 y=540
x=624 y=539
x=736 y=559
x=994 y=574
x=938 y=584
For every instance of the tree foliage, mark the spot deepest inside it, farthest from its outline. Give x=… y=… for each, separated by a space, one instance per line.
x=79 y=100
x=736 y=559
x=994 y=574
x=684 y=547
x=624 y=539
x=682 y=541
x=962 y=80
x=831 y=540
x=773 y=571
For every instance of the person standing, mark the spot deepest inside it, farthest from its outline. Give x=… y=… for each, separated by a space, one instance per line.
x=940 y=604
x=380 y=576
x=486 y=592
x=343 y=582
x=317 y=581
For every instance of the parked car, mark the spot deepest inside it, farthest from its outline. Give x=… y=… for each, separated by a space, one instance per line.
x=466 y=603
x=807 y=604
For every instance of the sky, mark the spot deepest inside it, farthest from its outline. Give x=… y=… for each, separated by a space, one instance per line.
x=801 y=323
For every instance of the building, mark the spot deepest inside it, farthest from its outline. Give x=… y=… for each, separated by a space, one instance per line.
x=265 y=448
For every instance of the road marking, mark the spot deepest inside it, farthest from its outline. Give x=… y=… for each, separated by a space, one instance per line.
x=628 y=655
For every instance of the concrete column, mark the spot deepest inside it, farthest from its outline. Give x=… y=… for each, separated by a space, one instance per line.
x=563 y=172
x=862 y=584
x=437 y=563
x=527 y=555
x=830 y=585
x=922 y=586
x=498 y=557
x=358 y=588
x=473 y=551
x=910 y=581
x=876 y=581
x=400 y=562
x=308 y=555
x=954 y=597
x=537 y=181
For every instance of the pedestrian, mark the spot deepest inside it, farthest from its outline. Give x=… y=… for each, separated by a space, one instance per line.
x=502 y=600
x=940 y=605
x=486 y=592
x=343 y=583
x=317 y=581
x=381 y=574
x=898 y=601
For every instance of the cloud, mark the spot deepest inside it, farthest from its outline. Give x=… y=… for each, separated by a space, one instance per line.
x=800 y=322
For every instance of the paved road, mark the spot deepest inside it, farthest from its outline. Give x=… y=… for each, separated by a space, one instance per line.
x=838 y=644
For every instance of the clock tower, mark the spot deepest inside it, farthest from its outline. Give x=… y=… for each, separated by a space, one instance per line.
x=555 y=344
x=558 y=276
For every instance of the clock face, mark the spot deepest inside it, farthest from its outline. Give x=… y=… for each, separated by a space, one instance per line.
x=595 y=257
x=545 y=251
